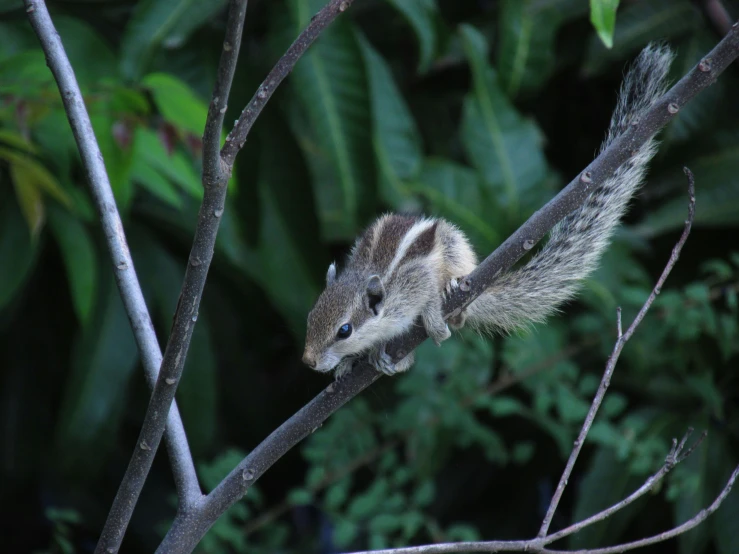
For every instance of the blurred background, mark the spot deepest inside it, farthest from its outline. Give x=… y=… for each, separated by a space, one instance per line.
x=475 y=110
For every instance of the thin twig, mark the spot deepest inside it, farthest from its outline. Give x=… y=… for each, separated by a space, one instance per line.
x=215 y=183
x=237 y=137
x=183 y=469
x=716 y=14
x=613 y=359
x=675 y=457
x=661 y=537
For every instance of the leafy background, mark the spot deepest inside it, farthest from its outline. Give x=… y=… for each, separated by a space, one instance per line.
x=475 y=111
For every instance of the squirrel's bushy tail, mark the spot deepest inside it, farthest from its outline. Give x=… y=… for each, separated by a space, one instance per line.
x=575 y=244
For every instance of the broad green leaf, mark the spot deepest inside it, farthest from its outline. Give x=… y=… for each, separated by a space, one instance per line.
x=504 y=147
x=177 y=167
x=396 y=138
x=156 y=183
x=54 y=136
x=80 y=261
x=454 y=192
x=717 y=199
x=330 y=111
x=422 y=16
x=94 y=396
x=88 y=53
x=527 y=29
x=638 y=23
x=177 y=102
x=160 y=23
x=606 y=482
x=603 y=18
x=286 y=237
x=17 y=250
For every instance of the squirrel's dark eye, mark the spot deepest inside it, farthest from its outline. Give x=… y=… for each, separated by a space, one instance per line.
x=344 y=331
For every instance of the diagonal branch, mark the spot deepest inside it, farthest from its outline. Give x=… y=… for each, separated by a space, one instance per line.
x=183 y=468
x=193 y=526
x=215 y=181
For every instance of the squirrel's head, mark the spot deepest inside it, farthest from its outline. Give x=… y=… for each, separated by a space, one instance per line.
x=345 y=320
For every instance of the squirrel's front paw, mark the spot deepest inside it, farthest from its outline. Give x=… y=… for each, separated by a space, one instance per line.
x=451 y=286
x=382 y=361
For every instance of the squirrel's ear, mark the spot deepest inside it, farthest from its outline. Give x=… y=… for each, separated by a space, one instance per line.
x=375 y=294
x=331 y=274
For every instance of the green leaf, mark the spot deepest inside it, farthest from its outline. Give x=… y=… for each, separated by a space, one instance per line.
x=603 y=18
x=717 y=198
x=17 y=251
x=88 y=53
x=35 y=175
x=638 y=23
x=329 y=111
x=287 y=236
x=26 y=74
x=16 y=140
x=94 y=396
x=157 y=184
x=396 y=138
x=177 y=102
x=177 y=167
x=300 y=497
x=80 y=261
x=454 y=192
x=504 y=147
x=528 y=29
x=422 y=16
x=29 y=198
x=160 y=23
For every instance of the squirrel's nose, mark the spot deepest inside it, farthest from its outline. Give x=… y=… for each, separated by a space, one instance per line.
x=309 y=360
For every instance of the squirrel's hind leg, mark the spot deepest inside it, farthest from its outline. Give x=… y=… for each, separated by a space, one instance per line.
x=433 y=321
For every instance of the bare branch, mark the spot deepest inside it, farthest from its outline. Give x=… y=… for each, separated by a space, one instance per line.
x=613 y=359
x=212 y=169
x=675 y=456
x=716 y=14
x=237 y=137
x=661 y=537
x=214 y=199
x=183 y=468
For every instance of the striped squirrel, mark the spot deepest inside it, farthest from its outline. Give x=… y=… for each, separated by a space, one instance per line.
x=402 y=266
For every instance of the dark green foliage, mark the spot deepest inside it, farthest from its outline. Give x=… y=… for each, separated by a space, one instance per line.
x=475 y=111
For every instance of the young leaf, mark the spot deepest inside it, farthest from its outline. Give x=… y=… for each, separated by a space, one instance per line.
x=396 y=138
x=637 y=24
x=603 y=18
x=80 y=261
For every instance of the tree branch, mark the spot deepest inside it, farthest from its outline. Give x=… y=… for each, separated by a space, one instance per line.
x=215 y=181
x=183 y=468
x=613 y=359
x=187 y=529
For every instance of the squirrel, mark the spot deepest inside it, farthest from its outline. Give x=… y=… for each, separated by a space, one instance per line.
x=402 y=266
